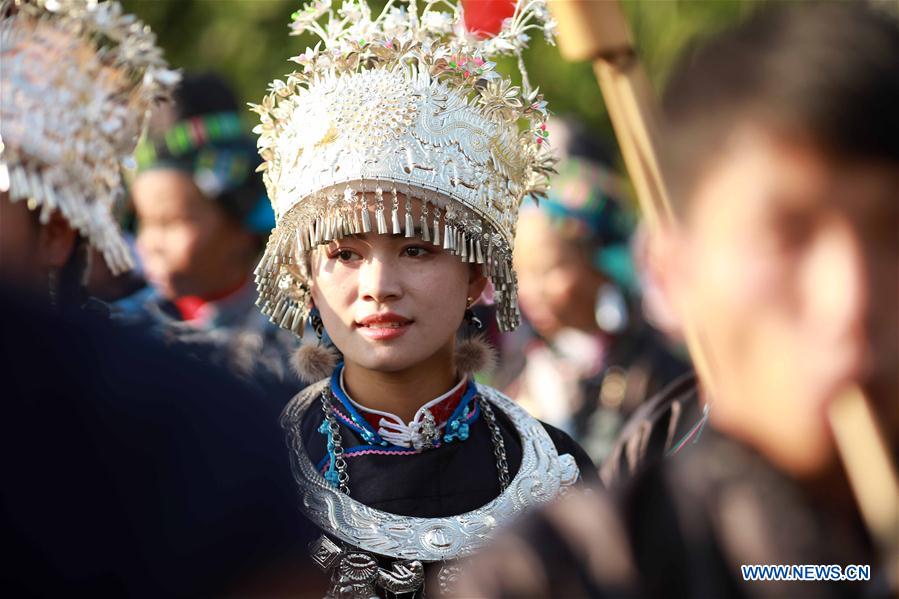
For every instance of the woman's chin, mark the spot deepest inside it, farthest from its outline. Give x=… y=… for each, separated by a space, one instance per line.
x=381 y=357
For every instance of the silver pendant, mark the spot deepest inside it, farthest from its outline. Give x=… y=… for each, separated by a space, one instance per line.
x=357 y=575
x=428 y=435
x=447 y=578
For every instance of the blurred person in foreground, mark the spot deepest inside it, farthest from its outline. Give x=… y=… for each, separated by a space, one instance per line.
x=784 y=165
x=117 y=478
x=595 y=359
x=202 y=217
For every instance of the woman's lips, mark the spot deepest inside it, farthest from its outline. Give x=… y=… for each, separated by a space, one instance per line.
x=383 y=327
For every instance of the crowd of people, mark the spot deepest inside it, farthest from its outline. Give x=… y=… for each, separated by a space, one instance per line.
x=408 y=336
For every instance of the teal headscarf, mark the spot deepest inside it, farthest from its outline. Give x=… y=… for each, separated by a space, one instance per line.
x=584 y=203
x=221 y=159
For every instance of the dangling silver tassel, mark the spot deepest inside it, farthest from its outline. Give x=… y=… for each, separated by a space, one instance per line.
x=301 y=244
x=395 y=222
x=425 y=234
x=410 y=224
x=366 y=216
x=382 y=221
x=292 y=251
x=448 y=235
x=436 y=239
x=379 y=211
x=316 y=230
x=464 y=249
x=287 y=319
x=280 y=308
x=479 y=253
x=394 y=215
x=297 y=321
x=326 y=236
x=489 y=260
x=471 y=257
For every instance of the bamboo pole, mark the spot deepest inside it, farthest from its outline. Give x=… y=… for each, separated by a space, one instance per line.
x=597 y=30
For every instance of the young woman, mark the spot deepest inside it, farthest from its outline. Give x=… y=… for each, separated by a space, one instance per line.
x=395 y=166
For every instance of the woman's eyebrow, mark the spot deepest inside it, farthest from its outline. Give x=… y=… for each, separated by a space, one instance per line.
x=416 y=234
x=361 y=238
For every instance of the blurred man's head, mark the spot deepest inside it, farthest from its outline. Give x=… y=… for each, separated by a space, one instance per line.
x=197 y=197
x=784 y=164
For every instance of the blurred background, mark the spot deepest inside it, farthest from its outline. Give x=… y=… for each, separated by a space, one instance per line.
x=247 y=42
x=591 y=349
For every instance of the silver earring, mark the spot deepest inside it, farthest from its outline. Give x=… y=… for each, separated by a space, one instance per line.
x=610 y=309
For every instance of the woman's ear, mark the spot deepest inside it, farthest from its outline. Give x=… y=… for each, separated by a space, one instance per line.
x=55 y=242
x=476 y=281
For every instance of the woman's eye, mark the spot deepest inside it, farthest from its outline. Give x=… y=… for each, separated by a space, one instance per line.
x=344 y=255
x=415 y=252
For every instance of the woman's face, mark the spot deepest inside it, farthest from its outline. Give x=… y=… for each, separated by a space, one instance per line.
x=557 y=286
x=186 y=242
x=389 y=302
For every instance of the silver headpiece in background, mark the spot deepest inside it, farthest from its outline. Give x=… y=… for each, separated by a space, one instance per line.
x=78 y=79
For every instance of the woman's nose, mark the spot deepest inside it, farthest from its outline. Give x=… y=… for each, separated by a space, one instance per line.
x=379 y=280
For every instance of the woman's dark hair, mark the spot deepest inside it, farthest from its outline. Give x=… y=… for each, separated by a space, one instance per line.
x=825 y=73
x=201 y=94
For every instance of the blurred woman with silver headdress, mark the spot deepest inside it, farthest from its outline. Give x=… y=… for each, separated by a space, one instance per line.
x=78 y=79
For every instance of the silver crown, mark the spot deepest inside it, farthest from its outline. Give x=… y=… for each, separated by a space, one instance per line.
x=401 y=106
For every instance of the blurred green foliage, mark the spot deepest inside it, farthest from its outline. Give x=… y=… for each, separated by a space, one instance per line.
x=247 y=41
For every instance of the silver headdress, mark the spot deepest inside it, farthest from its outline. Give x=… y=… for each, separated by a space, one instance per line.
x=406 y=103
x=78 y=78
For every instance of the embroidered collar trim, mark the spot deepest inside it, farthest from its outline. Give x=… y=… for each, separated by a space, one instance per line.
x=391 y=428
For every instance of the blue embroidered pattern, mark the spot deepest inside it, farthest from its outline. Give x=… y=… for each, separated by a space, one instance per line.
x=462 y=417
x=331 y=475
x=457 y=428
x=362 y=427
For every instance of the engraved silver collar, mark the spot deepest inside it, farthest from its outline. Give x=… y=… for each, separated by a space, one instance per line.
x=541 y=477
